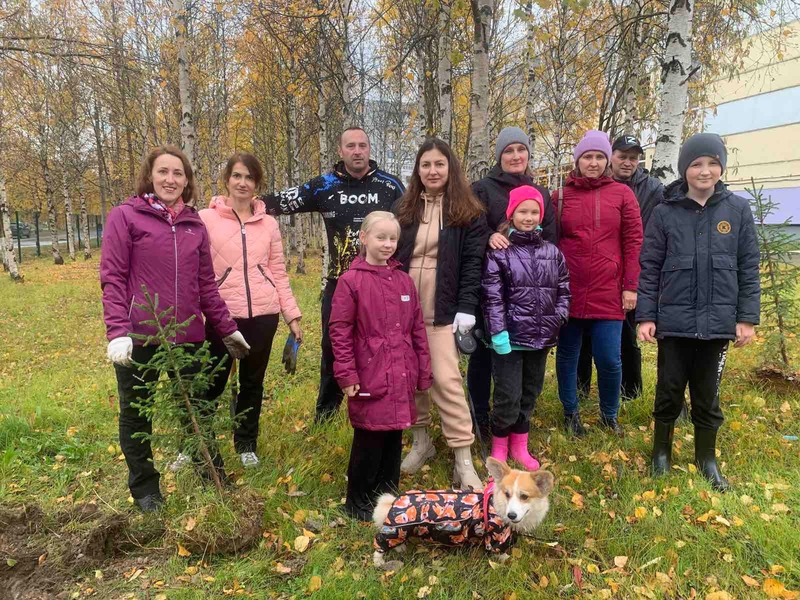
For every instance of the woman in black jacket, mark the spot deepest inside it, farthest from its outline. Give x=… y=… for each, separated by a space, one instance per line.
x=512 y=152
x=441 y=246
x=699 y=289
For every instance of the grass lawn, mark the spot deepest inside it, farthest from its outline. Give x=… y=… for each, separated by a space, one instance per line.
x=612 y=530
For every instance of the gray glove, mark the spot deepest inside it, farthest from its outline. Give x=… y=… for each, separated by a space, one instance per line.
x=237 y=347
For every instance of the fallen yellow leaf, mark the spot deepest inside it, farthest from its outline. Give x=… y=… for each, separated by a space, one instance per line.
x=301 y=543
x=750 y=581
x=543 y=581
x=721 y=595
x=183 y=551
x=780 y=508
x=775 y=589
x=299 y=516
x=621 y=561
x=577 y=500
x=640 y=512
x=315 y=584
x=191 y=523
x=776 y=569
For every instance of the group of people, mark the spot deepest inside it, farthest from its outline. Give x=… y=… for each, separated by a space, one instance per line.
x=414 y=273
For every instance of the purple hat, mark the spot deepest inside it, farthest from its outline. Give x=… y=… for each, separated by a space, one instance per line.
x=593 y=140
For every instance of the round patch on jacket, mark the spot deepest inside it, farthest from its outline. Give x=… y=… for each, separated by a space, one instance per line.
x=724 y=227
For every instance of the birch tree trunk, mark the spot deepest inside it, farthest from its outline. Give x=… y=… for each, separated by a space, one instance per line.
x=9 y=260
x=420 y=130
x=87 y=246
x=348 y=68
x=188 y=134
x=101 y=161
x=530 y=82
x=444 y=74
x=68 y=215
x=479 y=100
x=675 y=74
x=52 y=223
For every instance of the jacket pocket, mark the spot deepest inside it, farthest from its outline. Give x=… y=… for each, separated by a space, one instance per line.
x=677 y=281
x=264 y=273
x=222 y=279
x=373 y=372
x=724 y=279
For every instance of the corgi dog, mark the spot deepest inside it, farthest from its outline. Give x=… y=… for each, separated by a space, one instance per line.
x=513 y=502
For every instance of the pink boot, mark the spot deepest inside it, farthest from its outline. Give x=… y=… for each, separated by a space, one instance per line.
x=500 y=448
x=519 y=451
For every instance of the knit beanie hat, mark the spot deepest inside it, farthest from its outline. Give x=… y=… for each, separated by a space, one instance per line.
x=593 y=140
x=508 y=136
x=518 y=195
x=701 y=144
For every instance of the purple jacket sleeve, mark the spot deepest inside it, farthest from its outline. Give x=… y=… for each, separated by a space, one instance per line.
x=211 y=303
x=344 y=311
x=564 y=295
x=114 y=268
x=494 y=305
x=419 y=338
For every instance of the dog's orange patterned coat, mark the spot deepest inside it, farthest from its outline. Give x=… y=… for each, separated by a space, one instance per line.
x=448 y=517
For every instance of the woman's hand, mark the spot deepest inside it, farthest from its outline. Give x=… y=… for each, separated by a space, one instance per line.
x=294 y=327
x=350 y=390
x=745 y=332
x=498 y=241
x=628 y=300
x=119 y=351
x=647 y=332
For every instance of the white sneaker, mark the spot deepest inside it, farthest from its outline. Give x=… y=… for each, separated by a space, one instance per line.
x=180 y=463
x=249 y=459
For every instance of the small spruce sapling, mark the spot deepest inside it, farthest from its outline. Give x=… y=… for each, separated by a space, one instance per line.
x=176 y=396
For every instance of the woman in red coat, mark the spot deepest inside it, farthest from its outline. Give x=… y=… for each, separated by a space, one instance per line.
x=600 y=233
x=381 y=359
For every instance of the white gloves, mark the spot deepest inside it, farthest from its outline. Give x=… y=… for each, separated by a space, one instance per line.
x=463 y=322
x=236 y=345
x=119 y=351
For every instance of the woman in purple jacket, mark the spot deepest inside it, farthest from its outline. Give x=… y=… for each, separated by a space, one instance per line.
x=156 y=241
x=525 y=303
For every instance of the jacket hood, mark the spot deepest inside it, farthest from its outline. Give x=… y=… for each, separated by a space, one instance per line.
x=341 y=171
x=360 y=264
x=526 y=238
x=508 y=181
x=578 y=181
x=220 y=204
x=677 y=190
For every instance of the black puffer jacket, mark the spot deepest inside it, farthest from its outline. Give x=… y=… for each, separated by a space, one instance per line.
x=700 y=266
x=649 y=192
x=493 y=191
x=458 y=266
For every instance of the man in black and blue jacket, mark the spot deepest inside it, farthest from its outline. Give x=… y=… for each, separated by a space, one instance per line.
x=344 y=196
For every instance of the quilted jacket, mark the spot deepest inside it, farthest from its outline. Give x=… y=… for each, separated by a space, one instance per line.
x=248 y=261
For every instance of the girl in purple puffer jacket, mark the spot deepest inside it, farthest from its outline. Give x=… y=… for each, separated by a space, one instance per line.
x=525 y=303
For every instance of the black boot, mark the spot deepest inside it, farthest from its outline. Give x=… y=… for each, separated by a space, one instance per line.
x=612 y=424
x=662 y=447
x=573 y=425
x=705 y=446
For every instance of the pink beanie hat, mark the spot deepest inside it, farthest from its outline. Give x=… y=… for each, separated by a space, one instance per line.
x=518 y=195
x=593 y=140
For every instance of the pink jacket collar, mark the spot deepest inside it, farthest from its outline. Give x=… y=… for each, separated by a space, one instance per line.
x=220 y=204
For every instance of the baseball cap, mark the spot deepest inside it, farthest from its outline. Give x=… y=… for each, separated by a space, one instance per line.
x=626 y=142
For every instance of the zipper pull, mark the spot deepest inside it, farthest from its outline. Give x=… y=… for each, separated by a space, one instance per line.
x=243 y=232
x=173 y=228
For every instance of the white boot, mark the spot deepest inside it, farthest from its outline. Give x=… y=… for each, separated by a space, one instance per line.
x=421 y=450
x=464 y=473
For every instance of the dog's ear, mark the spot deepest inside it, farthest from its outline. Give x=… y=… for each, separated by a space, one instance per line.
x=497 y=469
x=544 y=481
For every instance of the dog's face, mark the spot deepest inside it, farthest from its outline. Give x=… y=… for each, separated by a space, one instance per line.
x=520 y=497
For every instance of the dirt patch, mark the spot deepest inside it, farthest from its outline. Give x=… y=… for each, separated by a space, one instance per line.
x=41 y=554
x=779 y=381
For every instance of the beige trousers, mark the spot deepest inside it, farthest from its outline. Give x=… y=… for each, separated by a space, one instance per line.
x=447 y=391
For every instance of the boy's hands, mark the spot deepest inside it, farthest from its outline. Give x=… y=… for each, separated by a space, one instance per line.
x=745 y=332
x=647 y=332
x=351 y=390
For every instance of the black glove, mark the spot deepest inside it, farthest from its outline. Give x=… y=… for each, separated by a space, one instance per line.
x=289 y=358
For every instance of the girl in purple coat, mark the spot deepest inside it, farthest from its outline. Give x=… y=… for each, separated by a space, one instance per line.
x=525 y=303
x=381 y=359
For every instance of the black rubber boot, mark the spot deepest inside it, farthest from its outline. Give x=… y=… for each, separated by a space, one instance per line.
x=662 y=447
x=573 y=425
x=705 y=446
x=612 y=424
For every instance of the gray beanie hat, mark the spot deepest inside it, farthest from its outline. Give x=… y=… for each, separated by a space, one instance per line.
x=701 y=144
x=508 y=136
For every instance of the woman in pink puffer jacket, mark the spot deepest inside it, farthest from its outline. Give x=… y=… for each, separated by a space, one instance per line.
x=247 y=253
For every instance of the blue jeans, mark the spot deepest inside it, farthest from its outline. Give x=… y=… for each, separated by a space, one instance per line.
x=606 y=336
